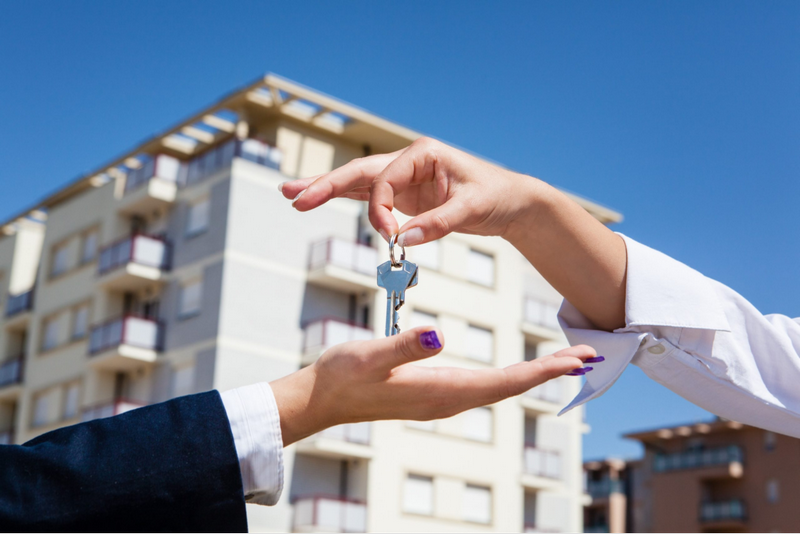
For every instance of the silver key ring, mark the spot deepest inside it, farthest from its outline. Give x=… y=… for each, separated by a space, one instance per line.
x=392 y=242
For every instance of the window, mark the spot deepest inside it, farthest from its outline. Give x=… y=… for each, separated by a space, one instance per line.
x=477 y=504
x=45 y=406
x=60 y=260
x=480 y=343
x=773 y=491
x=477 y=424
x=480 y=268
x=89 y=248
x=197 y=218
x=80 y=321
x=190 y=299
x=71 y=400
x=426 y=255
x=429 y=426
x=418 y=495
x=770 y=441
x=183 y=381
x=420 y=318
x=51 y=333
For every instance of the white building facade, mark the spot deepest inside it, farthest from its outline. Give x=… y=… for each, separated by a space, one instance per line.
x=180 y=268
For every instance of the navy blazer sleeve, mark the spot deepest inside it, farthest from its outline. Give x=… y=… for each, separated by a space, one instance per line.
x=167 y=467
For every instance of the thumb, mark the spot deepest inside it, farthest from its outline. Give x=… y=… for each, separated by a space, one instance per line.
x=433 y=224
x=409 y=346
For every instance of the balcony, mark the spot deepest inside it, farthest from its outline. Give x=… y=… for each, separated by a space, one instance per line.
x=151 y=186
x=322 y=513
x=322 y=334
x=19 y=304
x=133 y=262
x=220 y=157
x=719 y=462
x=540 y=321
x=109 y=409
x=542 y=468
x=545 y=398
x=342 y=442
x=601 y=489
x=343 y=265
x=11 y=377
x=723 y=515
x=125 y=343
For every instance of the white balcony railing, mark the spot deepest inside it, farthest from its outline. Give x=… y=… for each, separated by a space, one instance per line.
x=109 y=409
x=141 y=249
x=541 y=313
x=222 y=155
x=542 y=463
x=345 y=254
x=352 y=432
x=19 y=303
x=321 y=513
x=130 y=330
x=550 y=391
x=324 y=333
x=160 y=166
x=11 y=371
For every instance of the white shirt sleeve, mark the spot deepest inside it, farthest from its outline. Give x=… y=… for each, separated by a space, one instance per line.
x=699 y=338
x=256 y=427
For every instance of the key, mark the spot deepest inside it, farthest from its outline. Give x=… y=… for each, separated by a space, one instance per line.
x=396 y=281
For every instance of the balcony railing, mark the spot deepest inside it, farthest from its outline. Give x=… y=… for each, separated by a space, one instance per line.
x=19 y=303
x=327 y=332
x=723 y=511
x=698 y=458
x=160 y=166
x=221 y=156
x=345 y=254
x=141 y=249
x=596 y=529
x=352 y=432
x=605 y=487
x=130 y=330
x=109 y=409
x=550 y=391
x=323 y=513
x=542 y=463
x=11 y=371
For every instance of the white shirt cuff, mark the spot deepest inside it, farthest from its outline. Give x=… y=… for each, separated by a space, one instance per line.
x=256 y=428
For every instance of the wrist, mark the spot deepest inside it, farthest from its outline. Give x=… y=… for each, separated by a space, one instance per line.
x=301 y=412
x=532 y=196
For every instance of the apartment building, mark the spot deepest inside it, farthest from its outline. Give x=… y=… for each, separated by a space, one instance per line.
x=179 y=268
x=611 y=486
x=719 y=476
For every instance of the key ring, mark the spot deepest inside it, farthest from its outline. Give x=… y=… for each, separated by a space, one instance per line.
x=392 y=242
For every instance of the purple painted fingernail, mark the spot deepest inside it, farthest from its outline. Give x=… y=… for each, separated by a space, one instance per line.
x=430 y=340
x=596 y=359
x=580 y=371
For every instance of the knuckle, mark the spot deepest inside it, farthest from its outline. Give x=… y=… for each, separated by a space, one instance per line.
x=406 y=348
x=426 y=144
x=440 y=224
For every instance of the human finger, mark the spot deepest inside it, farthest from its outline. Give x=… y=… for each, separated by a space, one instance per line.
x=409 y=346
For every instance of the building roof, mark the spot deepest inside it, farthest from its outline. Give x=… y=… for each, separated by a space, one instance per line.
x=269 y=97
x=682 y=431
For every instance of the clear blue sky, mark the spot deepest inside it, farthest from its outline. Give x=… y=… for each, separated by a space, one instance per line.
x=685 y=116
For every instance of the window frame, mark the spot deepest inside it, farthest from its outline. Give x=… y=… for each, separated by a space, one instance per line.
x=182 y=313
x=190 y=232
x=491 y=256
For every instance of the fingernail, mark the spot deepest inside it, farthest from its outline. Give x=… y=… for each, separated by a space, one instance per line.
x=596 y=359
x=580 y=371
x=430 y=340
x=280 y=186
x=300 y=194
x=384 y=235
x=410 y=237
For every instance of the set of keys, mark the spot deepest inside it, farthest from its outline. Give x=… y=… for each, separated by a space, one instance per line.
x=396 y=277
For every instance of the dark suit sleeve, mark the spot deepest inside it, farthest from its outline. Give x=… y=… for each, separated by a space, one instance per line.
x=167 y=467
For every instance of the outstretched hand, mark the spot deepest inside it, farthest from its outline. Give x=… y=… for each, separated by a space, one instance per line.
x=374 y=380
x=445 y=189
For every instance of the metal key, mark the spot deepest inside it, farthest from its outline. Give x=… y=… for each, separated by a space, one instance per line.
x=396 y=277
x=396 y=281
